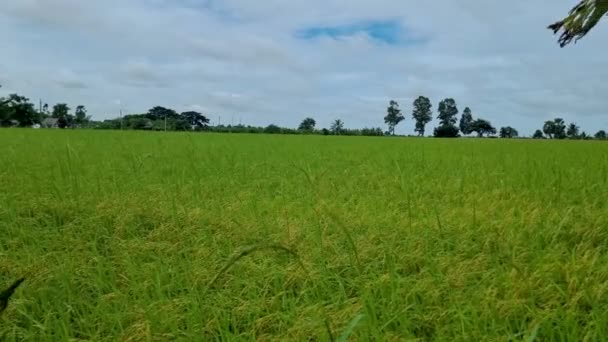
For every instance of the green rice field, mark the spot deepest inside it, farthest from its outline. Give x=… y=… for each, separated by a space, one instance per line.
x=143 y=236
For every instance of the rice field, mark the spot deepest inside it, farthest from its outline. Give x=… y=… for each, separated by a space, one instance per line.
x=141 y=236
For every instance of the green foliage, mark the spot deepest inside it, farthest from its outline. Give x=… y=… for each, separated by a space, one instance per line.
x=307 y=125
x=538 y=134
x=393 y=116
x=422 y=114
x=136 y=236
x=447 y=119
x=555 y=129
x=510 y=132
x=81 y=117
x=466 y=122
x=572 y=131
x=161 y=113
x=582 y=18
x=448 y=110
x=549 y=128
x=195 y=120
x=601 y=135
x=272 y=129
x=481 y=127
x=559 y=129
x=61 y=112
x=337 y=127
x=449 y=131
x=17 y=110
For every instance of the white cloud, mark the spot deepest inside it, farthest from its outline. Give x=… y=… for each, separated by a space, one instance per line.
x=241 y=58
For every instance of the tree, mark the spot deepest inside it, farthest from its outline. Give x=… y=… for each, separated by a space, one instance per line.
x=196 y=120
x=181 y=124
x=447 y=119
x=18 y=108
x=6 y=112
x=422 y=114
x=555 y=129
x=509 y=132
x=600 y=135
x=572 y=131
x=447 y=112
x=307 y=124
x=538 y=135
x=581 y=19
x=81 y=117
x=337 y=127
x=393 y=116
x=549 y=128
x=272 y=129
x=61 y=112
x=161 y=113
x=450 y=131
x=465 y=121
x=481 y=127
x=559 y=127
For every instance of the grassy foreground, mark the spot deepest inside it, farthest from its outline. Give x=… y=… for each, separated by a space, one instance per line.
x=133 y=236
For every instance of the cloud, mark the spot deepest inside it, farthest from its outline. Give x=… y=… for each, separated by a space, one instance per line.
x=279 y=61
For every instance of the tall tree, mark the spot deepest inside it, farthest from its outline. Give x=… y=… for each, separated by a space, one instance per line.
x=465 y=121
x=572 y=131
x=509 y=132
x=307 y=125
x=422 y=113
x=481 y=127
x=447 y=119
x=601 y=135
x=559 y=128
x=61 y=112
x=81 y=115
x=337 y=127
x=447 y=112
x=393 y=116
x=581 y=19
x=549 y=128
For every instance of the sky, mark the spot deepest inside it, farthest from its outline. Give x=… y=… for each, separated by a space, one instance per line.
x=279 y=61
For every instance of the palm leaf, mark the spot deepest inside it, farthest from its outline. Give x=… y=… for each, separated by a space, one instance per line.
x=581 y=19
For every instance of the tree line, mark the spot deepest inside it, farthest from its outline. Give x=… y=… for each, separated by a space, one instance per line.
x=19 y=111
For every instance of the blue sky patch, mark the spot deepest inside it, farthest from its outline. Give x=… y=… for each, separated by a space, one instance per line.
x=386 y=31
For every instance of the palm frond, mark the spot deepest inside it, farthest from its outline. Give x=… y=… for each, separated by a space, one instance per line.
x=581 y=19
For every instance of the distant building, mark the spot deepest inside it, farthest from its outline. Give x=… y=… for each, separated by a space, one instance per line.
x=50 y=123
